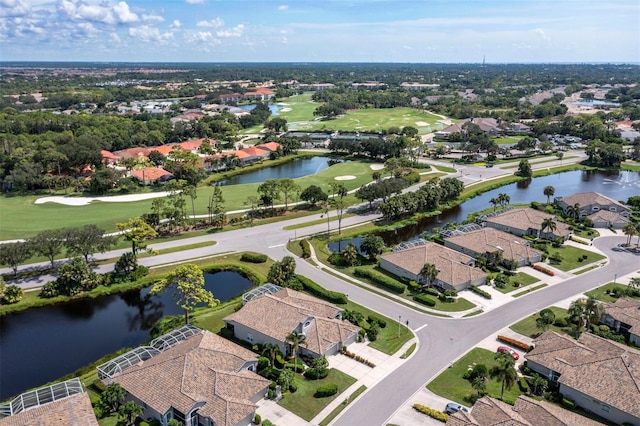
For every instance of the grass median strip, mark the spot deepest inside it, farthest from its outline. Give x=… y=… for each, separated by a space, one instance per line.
x=529 y=290
x=342 y=406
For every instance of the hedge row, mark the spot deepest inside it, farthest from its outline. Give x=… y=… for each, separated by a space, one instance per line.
x=382 y=323
x=543 y=270
x=321 y=292
x=579 y=240
x=438 y=415
x=326 y=390
x=480 y=292
x=252 y=257
x=306 y=248
x=358 y=358
x=424 y=299
x=380 y=280
x=514 y=342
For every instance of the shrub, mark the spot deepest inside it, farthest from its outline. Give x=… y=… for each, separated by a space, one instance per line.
x=414 y=286
x=49 y=290
x=523 y=385
x=543 y=270
x=268 y=422
x=293 y=388
x=424 y=299
x=380 y=280
x=560 y=322
x=569 y=403
x=306 y=248
x=321 y=292
x=514 y=342
x=298 y=367
x=432 y=291
x=257 y=419
x=323 y=391
x=480 y=292
x=279 y=361
x=252 y=257
x=271 y=394
x=382 y=323
x=584 y=257
x=435 y=414
x=411 y=178
x=315 y=374
x=13 y=294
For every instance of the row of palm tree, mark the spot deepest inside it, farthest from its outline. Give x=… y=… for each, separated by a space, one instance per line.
x=585 y=311
x=631 y=230
x=501 y=200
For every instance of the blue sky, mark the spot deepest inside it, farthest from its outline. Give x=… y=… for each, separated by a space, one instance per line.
x=320 y=30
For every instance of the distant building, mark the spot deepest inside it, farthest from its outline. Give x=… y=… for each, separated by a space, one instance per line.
x=152 y=175
x=419 y=86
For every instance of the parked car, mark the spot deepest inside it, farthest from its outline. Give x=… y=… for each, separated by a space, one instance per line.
x=489 y=165
x=506 y=350
x=454 y=407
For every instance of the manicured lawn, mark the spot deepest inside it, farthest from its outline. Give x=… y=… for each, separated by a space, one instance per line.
x=303 y=404
x=451 y=385
x=444 y=168
x=586 y=233
x=342 y=406
x=630 y=166
x=302 y=108
x=527 y=326
x=600 y=293
x=507 y=140
x=21 y=218
x=570 y=256
x=521 y=278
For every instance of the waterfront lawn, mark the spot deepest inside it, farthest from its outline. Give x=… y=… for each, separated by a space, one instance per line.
x=303 y=404
x=521 y=278
x=451 y=385
x=527 y=326
x=571 y=256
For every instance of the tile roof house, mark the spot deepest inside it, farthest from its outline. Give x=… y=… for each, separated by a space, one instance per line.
x=270 y=318
x=202 y=379
x=151 y=175
x=623 y=316
x=591 y=203
x=261 y=94
x=455 y=270
x=526 y=411
x=488 y=125
x=109 y=157
x=600 y=375
x=271 y=146
x=483 y=241
x=255 y=153
x=527 y=221
x=60 y=404
x=229 y=98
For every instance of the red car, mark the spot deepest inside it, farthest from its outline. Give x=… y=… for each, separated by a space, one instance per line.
x=506 y=350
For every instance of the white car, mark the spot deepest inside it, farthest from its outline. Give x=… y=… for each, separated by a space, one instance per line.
x=454 y=407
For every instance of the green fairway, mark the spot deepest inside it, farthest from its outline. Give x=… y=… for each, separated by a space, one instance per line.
x=507 y=140
x=297 y=108
x=21 y=218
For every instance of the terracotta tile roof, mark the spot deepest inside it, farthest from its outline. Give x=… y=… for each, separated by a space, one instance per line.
x=205 y=367
x=190 y=145
x=594 y=366
x=134 y=152
x=271 y=146
x=162 y=149
x=109 y=155
x=150 y=173
x=74 y=410
x=254 y=151
x=524 y=219
x=451 y=264
x=589 y=198
x=626 y=310
x=240 y=154
x=487 y=240
x=277 y=315
x=488 y=411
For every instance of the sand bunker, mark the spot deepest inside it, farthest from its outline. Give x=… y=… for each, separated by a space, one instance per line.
x=345 y=177
x=83 y=201
x=421 y=124
x=377 y=166
x=285 y=110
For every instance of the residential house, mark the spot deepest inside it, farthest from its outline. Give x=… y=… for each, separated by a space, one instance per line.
x=455 y=270
x=254 y=153
x=591 y=203
x=600 y=375
x=488 y=125
x=608 y=219
x=61 y=404
x=270 y=146
x=419 y=86
x=527 y=221
x=260 y=94
x=526 y=411
x=109 y=158
x=368 y=85
x=231 y=98
x=484 y=241
x=317 y=86
x=190 y=375
x=623 y=316
x=152 y=175
x=271 y=313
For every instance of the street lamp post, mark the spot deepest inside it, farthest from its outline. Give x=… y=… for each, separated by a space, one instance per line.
x=399 y=321
x=615 y=277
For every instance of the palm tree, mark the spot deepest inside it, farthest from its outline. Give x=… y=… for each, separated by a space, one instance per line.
x=429 y=272
x=495 y=202
x=549 y=191
x=576 y=315
x=593 y=311
x=549 y=224
x=504 y=199
x=295 y=339
x=504 y=372
x=480 y=385
x=495 y=257
x=629 y=230
x=271 y=350
x=574 y=211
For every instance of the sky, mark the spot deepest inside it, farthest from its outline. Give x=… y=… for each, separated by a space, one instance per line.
x=423 y=31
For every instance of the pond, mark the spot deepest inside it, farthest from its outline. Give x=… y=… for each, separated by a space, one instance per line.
x=596 y=103
x=43 y=344
x=272 y=107
x=617 y=185
x=297 y=168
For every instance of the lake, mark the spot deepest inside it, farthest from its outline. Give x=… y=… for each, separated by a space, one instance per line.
x=43 y=344
x=297 y=168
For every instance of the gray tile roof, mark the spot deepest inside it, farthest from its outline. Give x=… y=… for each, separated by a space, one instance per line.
x=589 y=198
x=487 y=240
x=528 y=218
x=74 y=410
x=626 y=310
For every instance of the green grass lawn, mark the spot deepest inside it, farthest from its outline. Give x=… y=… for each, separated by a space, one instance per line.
x=527 y=326
x=630 y=165
x=21 y=218
x=444 y=168
x=301 y=109
x=521 y=278
x=570 y=256
x=303 y=404
x=451 y=385
x=507 y=140
x=601 y=293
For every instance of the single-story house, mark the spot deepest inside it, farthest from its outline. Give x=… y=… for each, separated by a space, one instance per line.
x=527 y=221
x=61 y=404
x=276 y=312
x=109 y=158
x=590 y=203
x=152 y=175
x=608 y=219
x=623 y=316
x=526 y=411
x=418 y=86
x=255 y=153
x=271 y=146
x=488 y=125
x=191 y=375
x=600 y=375
x=455 y=270
x=483 y=241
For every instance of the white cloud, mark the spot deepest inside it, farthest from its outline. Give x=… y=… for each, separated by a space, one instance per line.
x=231 y=32
x=284 y=40
x=175 y=24
x=405 y=47
x=196 y=37
x=283 y=7
x=115 y=38
x=152 y=17
x=148 y=33
x=9 y=8
x=541 y=33
x=123 y=14
x=104 y=12
x=213 y=23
